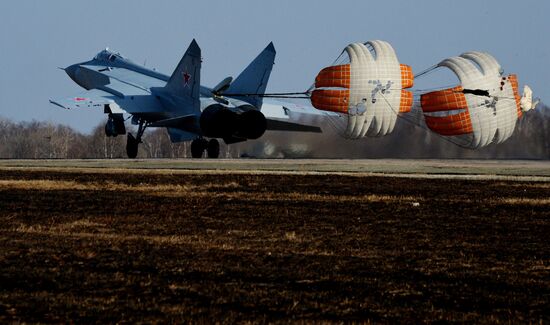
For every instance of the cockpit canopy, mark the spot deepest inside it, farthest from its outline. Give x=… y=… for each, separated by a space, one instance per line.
x=107 y=56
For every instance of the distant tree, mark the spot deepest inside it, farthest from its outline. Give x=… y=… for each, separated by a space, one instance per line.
x=105 y=147
x=158 y=145
x=34 y=140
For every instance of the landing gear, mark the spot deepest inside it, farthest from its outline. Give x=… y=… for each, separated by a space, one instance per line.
x=115 y=125
x=197 y=147
x=212 y=147
x=132 y=143
x=110 y=130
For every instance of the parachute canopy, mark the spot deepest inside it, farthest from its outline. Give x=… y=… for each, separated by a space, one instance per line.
x=482 y=110
x=368 y=91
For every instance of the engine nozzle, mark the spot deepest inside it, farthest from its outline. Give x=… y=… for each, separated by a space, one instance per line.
x=218 y=121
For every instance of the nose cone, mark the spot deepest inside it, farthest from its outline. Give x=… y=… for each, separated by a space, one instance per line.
x=71 y=71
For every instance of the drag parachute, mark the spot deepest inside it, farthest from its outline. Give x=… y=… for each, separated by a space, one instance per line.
x=483 y=109
x=368 y=91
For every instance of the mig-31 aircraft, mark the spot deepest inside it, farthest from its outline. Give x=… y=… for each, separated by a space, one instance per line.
x=230 y=111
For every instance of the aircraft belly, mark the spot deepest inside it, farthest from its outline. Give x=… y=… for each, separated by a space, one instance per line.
x=145 y=106
x=178 y=135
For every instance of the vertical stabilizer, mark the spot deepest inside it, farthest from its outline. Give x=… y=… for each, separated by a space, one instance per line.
x=253 y=80
x=186 y=79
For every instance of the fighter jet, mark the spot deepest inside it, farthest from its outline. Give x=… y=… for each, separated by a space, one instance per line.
x=230 y=111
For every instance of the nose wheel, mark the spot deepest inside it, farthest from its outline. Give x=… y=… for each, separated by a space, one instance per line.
x=212 y=148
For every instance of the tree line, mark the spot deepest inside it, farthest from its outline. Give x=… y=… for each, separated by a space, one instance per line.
x=46 y=140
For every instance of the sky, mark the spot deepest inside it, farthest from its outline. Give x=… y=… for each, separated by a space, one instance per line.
x=38 y=36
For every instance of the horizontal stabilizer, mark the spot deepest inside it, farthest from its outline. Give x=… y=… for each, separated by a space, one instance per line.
x=277 y=125
x=89 y=99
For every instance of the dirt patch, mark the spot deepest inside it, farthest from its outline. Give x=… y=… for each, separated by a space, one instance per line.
x=111 y=247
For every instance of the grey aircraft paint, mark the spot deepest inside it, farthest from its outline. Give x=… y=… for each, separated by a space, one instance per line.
x=178 y=102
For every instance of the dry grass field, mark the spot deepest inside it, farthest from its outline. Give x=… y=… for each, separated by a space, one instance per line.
x=83 y=246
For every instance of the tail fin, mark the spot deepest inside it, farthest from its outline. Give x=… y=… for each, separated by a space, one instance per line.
x=186 y=80
x=253 y=80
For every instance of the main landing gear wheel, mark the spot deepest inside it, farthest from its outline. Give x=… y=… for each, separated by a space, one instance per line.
x=213 y=148
x=197 y=147
x=132 y=146
x=132 y=143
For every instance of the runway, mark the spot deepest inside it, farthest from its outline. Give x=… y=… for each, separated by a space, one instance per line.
x=522 y=170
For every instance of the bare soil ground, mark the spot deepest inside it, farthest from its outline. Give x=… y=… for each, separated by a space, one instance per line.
x=123 y=247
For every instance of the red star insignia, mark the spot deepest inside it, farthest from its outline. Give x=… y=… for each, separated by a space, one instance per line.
x=80 y=99
x=186 y=78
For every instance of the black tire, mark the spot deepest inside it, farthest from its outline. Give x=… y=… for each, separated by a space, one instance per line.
x=119 y=127
x=131 y=146
x=213 y=148
x=110 y=128
x=197 y=148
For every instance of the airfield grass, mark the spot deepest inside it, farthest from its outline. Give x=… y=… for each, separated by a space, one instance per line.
x=86 y=246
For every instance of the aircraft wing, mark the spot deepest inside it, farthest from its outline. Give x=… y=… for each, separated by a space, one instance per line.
x=89 y=99
x=129 y=77
x=139 y=104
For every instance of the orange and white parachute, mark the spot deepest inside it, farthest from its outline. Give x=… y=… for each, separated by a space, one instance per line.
x=483 y=109
x=368 y=94
x=368 y=91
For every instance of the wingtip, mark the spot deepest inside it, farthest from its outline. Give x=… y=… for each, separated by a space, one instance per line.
x=57 y=104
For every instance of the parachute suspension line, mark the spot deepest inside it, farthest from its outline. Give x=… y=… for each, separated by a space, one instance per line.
x=266 y=94
x=425 y=72
x=310 y=89
x=298 y=95
x=334 y=125
x=422 y=127
x=338 y=127
x=425 y=90
x=339 y=59
x=280 y=96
